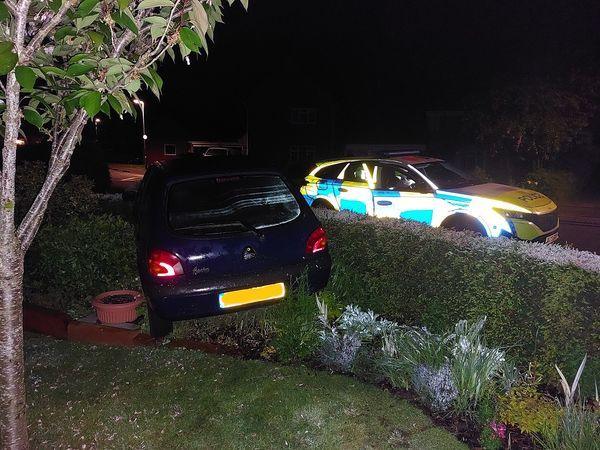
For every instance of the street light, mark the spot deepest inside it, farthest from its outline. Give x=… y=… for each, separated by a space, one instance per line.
x=140 y=103
x=97 y=122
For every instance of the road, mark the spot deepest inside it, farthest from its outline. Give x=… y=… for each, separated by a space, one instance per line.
x=580 y=225
x=579 y=222
x=125 y=177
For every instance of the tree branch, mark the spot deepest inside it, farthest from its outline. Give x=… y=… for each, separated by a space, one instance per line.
x=12 y=123
x=46 y=29
x=59 y=163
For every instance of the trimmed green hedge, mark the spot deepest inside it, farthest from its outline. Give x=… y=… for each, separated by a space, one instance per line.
x=542 y=302
x=72 y=262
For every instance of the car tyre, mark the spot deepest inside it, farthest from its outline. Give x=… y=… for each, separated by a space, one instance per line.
x=321 y=204
x=159 y=327
x=467 y=223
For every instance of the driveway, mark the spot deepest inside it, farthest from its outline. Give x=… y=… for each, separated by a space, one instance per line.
x=126 y=177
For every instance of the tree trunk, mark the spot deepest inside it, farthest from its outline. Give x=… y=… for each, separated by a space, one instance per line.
x=13 y=421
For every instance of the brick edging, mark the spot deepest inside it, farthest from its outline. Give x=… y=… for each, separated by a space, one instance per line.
x=59 y=325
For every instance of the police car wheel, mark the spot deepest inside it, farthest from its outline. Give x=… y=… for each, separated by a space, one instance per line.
x=320 y=204
x=465 y=224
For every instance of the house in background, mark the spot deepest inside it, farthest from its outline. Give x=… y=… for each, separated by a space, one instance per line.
x=292 y=128
x=165 y=149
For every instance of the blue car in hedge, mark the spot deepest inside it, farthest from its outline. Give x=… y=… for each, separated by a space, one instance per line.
x=220 y=234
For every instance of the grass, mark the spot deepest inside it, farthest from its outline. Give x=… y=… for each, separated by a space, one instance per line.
x=83 y=396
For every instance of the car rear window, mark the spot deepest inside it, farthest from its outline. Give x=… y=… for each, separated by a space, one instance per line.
x=230 y=204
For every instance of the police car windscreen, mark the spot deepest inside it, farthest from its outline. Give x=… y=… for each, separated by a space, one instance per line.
x=230 y=204
x=444 y=175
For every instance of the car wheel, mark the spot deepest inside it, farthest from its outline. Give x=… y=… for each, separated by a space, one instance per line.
x=321 y=204
x=159 y=327
x=466 y=223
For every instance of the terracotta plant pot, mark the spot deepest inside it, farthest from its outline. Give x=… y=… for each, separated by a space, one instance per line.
x=117 y=306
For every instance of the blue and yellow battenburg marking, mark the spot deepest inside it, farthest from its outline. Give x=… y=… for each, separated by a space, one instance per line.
x=501 y=210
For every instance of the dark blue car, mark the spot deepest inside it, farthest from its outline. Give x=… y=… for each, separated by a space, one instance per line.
x=217 y=235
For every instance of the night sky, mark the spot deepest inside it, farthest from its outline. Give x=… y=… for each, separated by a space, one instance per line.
x=383 y=63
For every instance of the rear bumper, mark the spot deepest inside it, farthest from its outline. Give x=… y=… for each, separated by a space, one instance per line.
x=181 y=301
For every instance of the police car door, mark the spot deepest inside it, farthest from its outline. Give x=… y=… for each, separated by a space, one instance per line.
x=354 y=194
x=401 y=193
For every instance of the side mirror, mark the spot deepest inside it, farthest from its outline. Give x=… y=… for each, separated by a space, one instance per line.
x=129 y=196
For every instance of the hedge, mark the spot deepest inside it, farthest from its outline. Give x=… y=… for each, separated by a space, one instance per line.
x=76 y=260
x=542 y=301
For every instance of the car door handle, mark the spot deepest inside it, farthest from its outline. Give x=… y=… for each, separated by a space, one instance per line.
x=384 y=203
x=343 y=190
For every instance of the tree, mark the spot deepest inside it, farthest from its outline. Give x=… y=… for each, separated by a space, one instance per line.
x=62 y=62
x=536 y=119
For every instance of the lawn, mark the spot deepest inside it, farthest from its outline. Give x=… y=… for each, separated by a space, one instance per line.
x=83 y=396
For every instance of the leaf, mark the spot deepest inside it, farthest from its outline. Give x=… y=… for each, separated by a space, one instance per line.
x=199 y=17
x=115 y=104
x=157 y=79
x=26 y=77
x=96 y=38
x=245 y=4
x=91 y=103
x=116 y=69
x=156 y=20
x=77 y=69
x=85 y=7
x=86 y=21
x=105 y=108
x=63 y=32
x=123 y=19
x=50 y=70
x=79 y=57
x=145 y=4
x=33 y=117
x=8 y=59
x=4 y=14
x=190 y=39
x=55 y=5
x=133 y=86
x=156 y=31
x=124 y=3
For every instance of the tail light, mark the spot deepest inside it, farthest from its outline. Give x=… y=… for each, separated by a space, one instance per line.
x=317 y=241
x=163 y=264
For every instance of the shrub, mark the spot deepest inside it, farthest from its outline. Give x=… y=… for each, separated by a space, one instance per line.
x=73 y=197
x=435 y=386
x=540 y=300
x=523 y=406
x=556 y=184
x=72 y=262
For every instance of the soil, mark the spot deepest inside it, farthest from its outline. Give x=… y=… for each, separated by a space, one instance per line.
x=118 y=299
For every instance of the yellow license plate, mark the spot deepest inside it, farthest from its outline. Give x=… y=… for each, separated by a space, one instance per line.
x=253 y=295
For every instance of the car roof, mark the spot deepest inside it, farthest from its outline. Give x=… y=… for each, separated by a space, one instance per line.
x=404 y=159
x=189 y=165
x=415 y=159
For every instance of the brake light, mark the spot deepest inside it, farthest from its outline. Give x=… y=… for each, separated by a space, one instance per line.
x=163 y=264
x=317 y=241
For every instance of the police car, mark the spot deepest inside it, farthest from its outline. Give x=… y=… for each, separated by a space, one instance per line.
x=431 y=191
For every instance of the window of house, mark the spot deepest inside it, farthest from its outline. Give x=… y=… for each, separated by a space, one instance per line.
x=170 y=149
x=303 y=116
x=302 y=153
